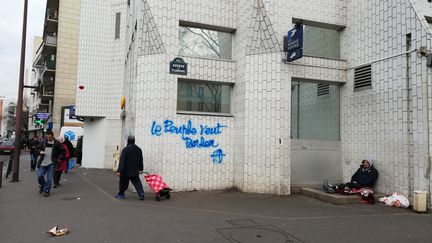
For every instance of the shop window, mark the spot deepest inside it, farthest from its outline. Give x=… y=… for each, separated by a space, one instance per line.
x=204 y=42
x=200 y=96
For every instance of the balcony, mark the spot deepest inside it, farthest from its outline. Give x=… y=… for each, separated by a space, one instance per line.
x=52 y=14
x=51 y=41
x=47 y=87
x=43 y=107
x=47 y=51
x=50 y=65
x=51 y=21
x=47 y=91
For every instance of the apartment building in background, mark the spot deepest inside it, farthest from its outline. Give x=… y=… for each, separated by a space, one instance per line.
x=55 y=64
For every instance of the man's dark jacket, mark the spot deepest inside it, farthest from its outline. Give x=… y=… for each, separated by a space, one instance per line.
x=33 y=146
x=365 y=177
x=58 y=151
x=131 y=161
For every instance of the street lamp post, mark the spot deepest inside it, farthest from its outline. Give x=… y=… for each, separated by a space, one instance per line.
x=15 y=169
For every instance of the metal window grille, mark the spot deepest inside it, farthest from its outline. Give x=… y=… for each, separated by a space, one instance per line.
x=323 y=89
x=363 y=77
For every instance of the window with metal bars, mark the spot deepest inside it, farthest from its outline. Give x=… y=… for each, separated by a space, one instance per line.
x=363 y=78
x=323 y=89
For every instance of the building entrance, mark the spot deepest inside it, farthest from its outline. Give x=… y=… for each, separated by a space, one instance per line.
x=315 y=133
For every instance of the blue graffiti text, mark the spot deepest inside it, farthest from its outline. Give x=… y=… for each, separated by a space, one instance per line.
x=183 y=129
x=217 y=156
x=199 y=143
x=192 y=137
x=156 y=129
x=205 y=130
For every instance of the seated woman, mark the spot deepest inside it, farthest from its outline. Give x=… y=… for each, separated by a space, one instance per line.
x=365 y=176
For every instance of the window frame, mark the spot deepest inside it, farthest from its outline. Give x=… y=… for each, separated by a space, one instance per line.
x=222 y=29
x=322 y=25
x=205 y=113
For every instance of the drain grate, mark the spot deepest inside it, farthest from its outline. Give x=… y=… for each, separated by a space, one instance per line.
x=257 y=234
x=241 y=222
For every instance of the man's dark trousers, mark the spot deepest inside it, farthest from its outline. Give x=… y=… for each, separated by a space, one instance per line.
x=124 y=183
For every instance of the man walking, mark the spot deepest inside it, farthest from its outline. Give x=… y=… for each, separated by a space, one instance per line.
x=34 y=143
x=131 y=163
x=51 y=151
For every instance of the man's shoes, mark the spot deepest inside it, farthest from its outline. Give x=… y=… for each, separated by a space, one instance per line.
x=118 y=196
x=46 y=194
x=328 y=187
x=40 y=189
x=141 y=198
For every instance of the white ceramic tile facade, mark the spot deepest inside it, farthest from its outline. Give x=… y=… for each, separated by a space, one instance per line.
x=388 y=121
x=257 y=138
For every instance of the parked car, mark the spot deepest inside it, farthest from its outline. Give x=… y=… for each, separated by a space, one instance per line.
x=7 y=147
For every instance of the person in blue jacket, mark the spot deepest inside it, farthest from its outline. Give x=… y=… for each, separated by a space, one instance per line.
x=131 y=163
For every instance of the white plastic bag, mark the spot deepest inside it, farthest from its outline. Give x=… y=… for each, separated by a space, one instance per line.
x=395 y=200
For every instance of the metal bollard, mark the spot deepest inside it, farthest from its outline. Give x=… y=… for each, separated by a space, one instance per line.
x=1 y=173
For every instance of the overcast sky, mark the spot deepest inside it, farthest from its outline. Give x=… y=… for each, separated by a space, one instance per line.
x=11 y=17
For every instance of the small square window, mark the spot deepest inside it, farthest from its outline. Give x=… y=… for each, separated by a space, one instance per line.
x=201 y=42
x=202 y=96
x=321 y=42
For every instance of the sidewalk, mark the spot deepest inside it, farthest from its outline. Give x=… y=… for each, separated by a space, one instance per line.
x=97 y=216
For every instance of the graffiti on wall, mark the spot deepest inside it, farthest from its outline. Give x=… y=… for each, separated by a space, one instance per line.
x=201 y=137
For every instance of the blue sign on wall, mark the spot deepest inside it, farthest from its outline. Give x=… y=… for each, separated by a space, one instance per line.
x=295 y=43
x=294 y=55
x=72 y=112
x=42 y=116
x=178 y=66
x=295 y=38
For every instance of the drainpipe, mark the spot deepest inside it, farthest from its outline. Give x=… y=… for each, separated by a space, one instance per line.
x=409 y=117
x=428 y=160
x=298 y=110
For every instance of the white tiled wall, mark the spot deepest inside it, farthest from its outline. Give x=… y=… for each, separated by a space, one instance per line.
x=257 y=138
x=101 y=72
x=376 y=121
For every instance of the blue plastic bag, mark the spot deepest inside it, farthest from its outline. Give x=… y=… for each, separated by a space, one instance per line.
x=71 y=164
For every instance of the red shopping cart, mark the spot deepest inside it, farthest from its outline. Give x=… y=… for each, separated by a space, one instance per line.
x=159 y=187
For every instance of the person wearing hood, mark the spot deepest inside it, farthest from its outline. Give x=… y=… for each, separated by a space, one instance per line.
x=365 y=176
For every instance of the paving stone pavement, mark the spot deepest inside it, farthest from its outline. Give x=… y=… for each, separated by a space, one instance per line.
x=85 y=204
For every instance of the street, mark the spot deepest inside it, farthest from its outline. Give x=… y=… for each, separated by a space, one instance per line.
x=85 y=205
